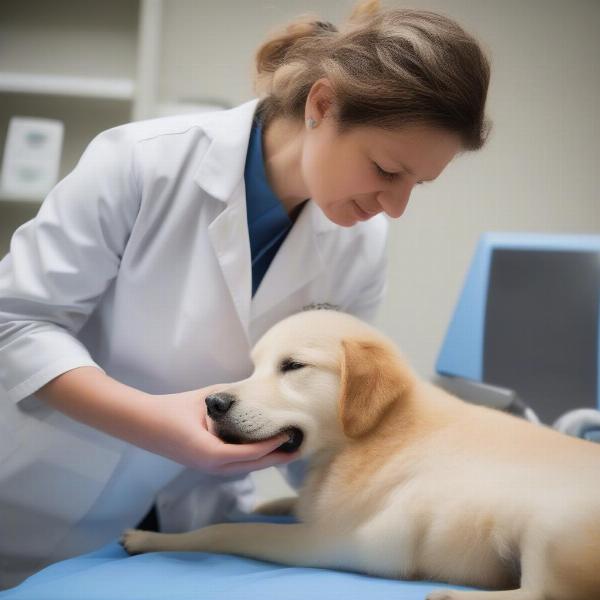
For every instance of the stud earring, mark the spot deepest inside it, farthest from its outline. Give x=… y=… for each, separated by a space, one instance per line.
x=311 y=123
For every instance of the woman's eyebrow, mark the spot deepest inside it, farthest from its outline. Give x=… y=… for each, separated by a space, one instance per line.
x=404 y=168
x=396 y=164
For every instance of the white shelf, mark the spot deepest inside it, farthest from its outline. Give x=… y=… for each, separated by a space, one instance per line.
x=9 y=197
x=90 y=64
x=64 y=85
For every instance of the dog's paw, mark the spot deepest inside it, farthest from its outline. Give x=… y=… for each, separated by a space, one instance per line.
x=442 y=595
x=135 y=541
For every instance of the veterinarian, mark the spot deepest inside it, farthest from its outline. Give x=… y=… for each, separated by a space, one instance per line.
x=151 y=270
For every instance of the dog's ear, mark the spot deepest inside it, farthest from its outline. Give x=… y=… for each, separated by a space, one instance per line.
x=372 y=378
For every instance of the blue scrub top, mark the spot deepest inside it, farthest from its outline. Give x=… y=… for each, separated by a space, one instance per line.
x=268 y=222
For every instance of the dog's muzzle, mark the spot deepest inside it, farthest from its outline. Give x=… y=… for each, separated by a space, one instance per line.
x=217 y=407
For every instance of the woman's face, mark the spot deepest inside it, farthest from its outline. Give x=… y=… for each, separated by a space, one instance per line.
x=367 y=170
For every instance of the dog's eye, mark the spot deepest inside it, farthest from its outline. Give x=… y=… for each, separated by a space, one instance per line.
x=290 y=365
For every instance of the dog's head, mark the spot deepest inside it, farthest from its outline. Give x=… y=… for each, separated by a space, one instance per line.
x=323 y=376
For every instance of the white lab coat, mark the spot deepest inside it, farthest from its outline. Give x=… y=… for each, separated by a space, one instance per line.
x=139 y=263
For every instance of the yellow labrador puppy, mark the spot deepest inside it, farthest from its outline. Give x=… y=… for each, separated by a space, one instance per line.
x=405 y=480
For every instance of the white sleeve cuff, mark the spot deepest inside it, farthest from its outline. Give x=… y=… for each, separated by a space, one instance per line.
x=41 y=378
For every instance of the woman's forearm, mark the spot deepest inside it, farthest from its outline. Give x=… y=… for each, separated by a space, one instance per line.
x=88 y=395
x=172 y=425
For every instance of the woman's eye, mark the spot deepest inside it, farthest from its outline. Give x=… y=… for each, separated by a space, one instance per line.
x=291 y=365
x=385 y=174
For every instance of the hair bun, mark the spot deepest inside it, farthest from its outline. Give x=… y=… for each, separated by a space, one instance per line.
x=387 y=68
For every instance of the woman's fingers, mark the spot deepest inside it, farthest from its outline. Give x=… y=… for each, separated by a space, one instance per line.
x=247 y=457
x=270 y=460
x=229 y=459
x=251 y=451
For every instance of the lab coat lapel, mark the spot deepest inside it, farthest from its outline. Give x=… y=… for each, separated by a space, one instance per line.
x=298 y=261
x=229 y=237
x=221 y=175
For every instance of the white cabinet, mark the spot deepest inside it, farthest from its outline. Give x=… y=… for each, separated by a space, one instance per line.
x=91 y=64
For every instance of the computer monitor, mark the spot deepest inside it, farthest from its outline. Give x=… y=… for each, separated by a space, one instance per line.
x=528 y=319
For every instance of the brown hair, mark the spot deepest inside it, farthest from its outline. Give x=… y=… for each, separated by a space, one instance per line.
x=388 y=68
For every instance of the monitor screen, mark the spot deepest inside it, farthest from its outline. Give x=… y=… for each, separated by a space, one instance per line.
x=541 y=328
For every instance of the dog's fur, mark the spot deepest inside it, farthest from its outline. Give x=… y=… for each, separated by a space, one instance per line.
x=404 y=479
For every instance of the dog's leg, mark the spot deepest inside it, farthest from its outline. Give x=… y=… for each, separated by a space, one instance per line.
x=519 y=594
x=296 y=544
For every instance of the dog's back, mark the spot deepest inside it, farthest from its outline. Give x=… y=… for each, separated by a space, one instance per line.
x=466 y=494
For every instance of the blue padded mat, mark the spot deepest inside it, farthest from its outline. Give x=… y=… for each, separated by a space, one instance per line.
x=110 y=574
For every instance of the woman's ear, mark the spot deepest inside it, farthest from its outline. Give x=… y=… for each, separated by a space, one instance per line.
x=373 y=377
x=320 y=100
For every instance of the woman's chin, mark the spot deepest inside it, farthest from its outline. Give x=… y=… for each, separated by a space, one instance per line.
x=344 y=220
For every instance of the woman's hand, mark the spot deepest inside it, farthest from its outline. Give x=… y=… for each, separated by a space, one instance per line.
x=172 y=425
x=179 y=426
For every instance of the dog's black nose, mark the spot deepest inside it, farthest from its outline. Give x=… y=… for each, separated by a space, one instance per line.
x=219 y=404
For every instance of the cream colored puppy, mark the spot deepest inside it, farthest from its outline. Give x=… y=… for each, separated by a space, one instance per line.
x=405 y=480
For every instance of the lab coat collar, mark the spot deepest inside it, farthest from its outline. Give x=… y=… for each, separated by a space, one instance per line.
x=300 y=259
x=221 y=174
x=222 y=166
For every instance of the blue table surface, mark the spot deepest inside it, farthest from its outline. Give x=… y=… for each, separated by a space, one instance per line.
x=110 y=574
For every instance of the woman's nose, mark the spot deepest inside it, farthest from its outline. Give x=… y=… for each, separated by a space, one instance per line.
x=395 y=201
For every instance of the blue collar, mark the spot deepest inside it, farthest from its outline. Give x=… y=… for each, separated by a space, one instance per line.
x=268 y=222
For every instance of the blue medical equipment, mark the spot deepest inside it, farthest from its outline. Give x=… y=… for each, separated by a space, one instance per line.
x=525 y=333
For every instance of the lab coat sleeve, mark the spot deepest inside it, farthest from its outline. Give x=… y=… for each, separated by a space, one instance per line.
x=372 y=289
x=61 y=262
